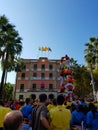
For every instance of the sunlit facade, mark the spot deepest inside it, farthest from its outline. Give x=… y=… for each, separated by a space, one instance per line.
x=39 y=76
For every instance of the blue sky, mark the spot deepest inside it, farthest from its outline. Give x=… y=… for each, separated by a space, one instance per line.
x=63 y=25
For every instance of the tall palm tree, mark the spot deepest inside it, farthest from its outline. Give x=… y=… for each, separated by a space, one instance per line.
x=10 y=47
x=91 y=58
x=18 y=66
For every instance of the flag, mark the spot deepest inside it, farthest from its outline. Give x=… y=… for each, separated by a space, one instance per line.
x=44 y=48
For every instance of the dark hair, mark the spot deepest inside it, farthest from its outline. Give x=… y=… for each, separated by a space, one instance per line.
x=43 y=97
x=60 y=99
x=92 y=108
x=54 y=101
x=27 y=100
x=79 y=107
x=1 y=103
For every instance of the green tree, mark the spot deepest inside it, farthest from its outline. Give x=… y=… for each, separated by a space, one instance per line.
x=91 y=58
x=82 y=81
x=81 y=78
x=18 y=67
x=10 y=47
x=8 y=91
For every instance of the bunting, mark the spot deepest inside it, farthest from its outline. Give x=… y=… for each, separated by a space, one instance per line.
x=44 y=49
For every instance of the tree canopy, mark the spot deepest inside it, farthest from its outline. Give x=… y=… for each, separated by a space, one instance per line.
x=10 y=47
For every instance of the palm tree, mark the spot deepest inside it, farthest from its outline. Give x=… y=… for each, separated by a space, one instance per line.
x=91 y=58
x=18 y=67
x=10 y=47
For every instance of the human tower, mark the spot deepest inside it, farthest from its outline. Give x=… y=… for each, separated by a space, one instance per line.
x=66 y=77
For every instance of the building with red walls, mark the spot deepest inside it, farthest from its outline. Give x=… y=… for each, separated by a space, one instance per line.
x=39 y=76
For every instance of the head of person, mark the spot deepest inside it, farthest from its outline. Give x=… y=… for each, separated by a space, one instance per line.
x=60 y=99
x=92 y=106
x=27 y=101
x=54 y=101
x=43 y=97
x=79 y=107
x=1 y=103
x=13 y=120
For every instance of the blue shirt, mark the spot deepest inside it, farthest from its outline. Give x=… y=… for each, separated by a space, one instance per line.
x=26 y=127
x=92 y=121
x=77 y=118
x=26 y=110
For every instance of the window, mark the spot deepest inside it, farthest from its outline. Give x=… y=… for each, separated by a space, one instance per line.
x=50 y=75
x=50 y=67
x=35 y=66
x=23 y=75
x=21 y=87
x=42 y=75
x=34 y=75
x=43 y=67
x=20 y=97
x=50 y=86
x=34 y=86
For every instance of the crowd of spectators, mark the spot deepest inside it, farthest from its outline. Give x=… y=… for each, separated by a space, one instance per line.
x=54 y=114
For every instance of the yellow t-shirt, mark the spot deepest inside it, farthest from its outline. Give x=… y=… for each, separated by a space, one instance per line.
x=60 y=118
x=50 y=106
x=96 y=105
x=50 y=112
x=3 y=112
x=69 y=103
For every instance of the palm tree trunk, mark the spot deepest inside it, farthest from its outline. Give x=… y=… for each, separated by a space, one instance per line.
x=93 y=83
x=2 y=83
x=14 y=93
x=3 y=76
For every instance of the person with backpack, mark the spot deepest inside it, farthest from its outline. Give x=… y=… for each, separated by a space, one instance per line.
x=39 y=116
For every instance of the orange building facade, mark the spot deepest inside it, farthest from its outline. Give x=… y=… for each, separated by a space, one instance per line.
x=39 y=76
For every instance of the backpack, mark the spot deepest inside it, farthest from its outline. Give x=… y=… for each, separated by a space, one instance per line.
x=35 y=116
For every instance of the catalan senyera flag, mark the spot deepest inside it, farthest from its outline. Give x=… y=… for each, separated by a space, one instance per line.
x=44 y=48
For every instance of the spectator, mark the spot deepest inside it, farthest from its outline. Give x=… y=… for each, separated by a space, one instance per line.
x=12 y=106
x=26 y=125
x=60 y=117
x=26 y=109
x=92 y=117
x=13 y=120
x=3 y=112
x=83 y=103
x=39 y=115
x=52 y=105
x=78 y=117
